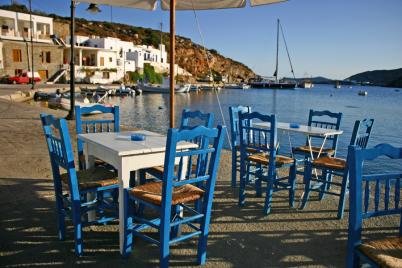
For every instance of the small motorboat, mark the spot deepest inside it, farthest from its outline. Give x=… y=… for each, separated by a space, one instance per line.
x=362 y=93
x=163 y=89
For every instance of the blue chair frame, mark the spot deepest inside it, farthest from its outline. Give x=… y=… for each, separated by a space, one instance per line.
x=360 y=137
x=361 y=198
x=263 y=141
x=73 y=203
x=169 y=218
x=235 y=138
x=95 y=125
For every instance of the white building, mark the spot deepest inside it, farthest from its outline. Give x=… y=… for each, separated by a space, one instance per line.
x=16 y=26
x=105 y=60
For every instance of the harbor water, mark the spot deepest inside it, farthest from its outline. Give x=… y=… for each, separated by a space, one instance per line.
x=151 y=111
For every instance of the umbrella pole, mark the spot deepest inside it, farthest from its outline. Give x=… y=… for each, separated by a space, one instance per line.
x=172 y=57
x=70 y=115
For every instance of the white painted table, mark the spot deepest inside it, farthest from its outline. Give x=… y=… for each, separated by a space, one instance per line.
x=125 y=155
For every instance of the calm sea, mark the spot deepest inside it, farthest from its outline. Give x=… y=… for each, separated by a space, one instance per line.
x=151 y=111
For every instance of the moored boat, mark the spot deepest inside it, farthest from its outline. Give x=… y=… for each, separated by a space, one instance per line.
x=163 y=89
x=362 y=93
x=305 y=84
x=276 y=83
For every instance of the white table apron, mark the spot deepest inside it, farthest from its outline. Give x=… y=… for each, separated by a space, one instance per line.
x=126 y=156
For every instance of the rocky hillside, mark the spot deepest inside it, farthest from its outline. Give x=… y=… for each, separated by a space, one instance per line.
x=189 y=55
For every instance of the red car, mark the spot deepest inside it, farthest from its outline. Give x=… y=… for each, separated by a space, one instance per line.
x=24 y=78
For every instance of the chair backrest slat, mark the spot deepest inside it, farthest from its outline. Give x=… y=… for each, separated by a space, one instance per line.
x=382 y=184
x=94 y=125
x=234 y=123
x=259 y=139
x=325 y=119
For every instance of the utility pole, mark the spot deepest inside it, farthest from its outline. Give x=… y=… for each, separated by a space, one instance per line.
x=160 y=48
x=32 y=47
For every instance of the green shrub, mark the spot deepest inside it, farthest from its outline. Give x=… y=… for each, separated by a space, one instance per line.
x=151 y=76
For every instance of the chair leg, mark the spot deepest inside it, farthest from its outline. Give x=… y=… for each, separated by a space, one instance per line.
x=342 y=197
x=269 y=192
x=60 y=215
x=202 y=242
x=128 y=221
x=307 y=185
x=176 y=229
x=143 y=177
x=242 y=188
x=77 y=227
x=258 y=180
x=164 y=233
x=234 y=166
x=325 y=176
x=292 y=184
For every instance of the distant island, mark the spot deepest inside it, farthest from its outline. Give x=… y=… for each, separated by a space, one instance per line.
x=384 y=78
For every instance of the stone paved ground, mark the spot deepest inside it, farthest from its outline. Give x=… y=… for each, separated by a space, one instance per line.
x=239 y=237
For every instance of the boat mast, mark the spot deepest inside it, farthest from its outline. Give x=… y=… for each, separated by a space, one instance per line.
x=277 y=52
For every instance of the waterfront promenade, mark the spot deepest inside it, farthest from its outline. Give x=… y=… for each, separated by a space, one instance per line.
x=240 y=237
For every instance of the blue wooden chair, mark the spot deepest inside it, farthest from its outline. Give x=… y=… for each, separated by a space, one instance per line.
x=322 y=119
x=235 y=138
x=266 y=159
x=71 y=187
x=335 y=166
x=173 y=192
x=189 y=119
x=88 y=125
x=373 y=195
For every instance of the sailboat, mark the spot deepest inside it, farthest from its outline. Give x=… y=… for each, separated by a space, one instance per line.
x=276 y=84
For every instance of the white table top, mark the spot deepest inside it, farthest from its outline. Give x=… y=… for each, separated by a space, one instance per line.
x=303 y=129
x=122 y=145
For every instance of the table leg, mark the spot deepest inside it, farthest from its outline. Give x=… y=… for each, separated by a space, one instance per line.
x=124 y=205
x=90 y=163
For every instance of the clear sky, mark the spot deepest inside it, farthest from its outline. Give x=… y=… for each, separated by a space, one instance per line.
x=335 y=39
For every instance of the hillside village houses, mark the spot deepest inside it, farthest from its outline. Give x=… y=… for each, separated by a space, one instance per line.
x=98 y=60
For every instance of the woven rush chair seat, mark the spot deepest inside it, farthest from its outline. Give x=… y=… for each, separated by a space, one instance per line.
x=385 y=252
x=152 y=193
x=93 y=178
x=314 y=149
x=330 y=162
x=263 y=159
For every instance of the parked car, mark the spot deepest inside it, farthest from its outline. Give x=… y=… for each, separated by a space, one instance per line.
x=24 y=78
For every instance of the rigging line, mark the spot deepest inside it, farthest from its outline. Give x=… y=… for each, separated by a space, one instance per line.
x=210 y=73
x=287 y=51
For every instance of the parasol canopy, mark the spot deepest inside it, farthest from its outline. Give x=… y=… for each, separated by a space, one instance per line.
x=183 y=4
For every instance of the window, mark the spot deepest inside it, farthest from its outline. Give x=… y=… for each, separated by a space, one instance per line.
x=17 y=56
x=46 y=57
x=105 y=75
x=102 y=61
x=18 y=72
x=110 y=59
